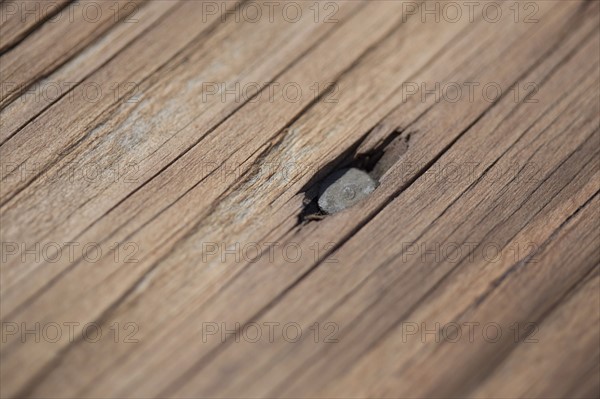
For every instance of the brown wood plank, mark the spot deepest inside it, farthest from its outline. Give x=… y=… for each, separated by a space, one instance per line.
x=21 y=18
x=61 y=83
x=199 y=181
x=67 y=36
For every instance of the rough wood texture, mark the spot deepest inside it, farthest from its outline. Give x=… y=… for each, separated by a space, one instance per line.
x=159 y=167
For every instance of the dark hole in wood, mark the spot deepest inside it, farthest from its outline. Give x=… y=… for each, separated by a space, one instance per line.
x=376 y=162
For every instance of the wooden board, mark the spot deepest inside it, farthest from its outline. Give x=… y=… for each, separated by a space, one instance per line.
x=160 y=166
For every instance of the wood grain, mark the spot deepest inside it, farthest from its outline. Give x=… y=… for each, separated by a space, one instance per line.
x=191 y=176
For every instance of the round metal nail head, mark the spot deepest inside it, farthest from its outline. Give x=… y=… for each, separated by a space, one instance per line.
x=344 y=188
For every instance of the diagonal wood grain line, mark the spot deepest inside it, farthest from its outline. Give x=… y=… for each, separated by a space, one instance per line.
x=403 y=187
x=17 y=40
x=118 y=221
x=430 y=292
x=552 y=323
x=255 y=316
x=521 y=263
x=208 y=31
x=573 y=157
x=175 y=60
x=204 y=362
x=70 y=89
x=545 y=113
x=175 y=208
x=317 y=99
x=555 y=303
x=526 y=260
x=314 y=101
x=213 y=353
x=79 y=259
x=432 y=59
x=440 y=282
x=555 y=170
x=13 y=95
x=417 y=302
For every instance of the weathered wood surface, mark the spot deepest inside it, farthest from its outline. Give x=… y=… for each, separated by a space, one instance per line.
x=159 y=160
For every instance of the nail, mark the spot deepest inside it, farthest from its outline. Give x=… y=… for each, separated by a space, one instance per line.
x=344 y=188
